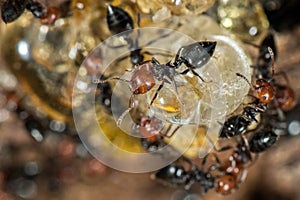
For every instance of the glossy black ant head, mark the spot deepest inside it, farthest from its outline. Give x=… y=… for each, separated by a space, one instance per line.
x=36 y=8
x=195 y=55
x=12 y=10
x=262 y=140
x=118 y=20
x=251 y=112
x=136 y=57
x=233 y=126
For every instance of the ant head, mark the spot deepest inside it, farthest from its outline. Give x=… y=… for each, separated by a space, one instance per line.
x=265 y=91
x=12 y=10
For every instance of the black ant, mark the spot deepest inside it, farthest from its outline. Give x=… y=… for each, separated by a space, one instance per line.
x=234 y=169
x=273 y=125
x=118 y=21
x=185 y=174
x=193 y=56
x=265 y=93
x=264 y=60
x=12 y=10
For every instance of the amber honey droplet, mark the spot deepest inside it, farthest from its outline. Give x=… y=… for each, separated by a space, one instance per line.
x=246 y=19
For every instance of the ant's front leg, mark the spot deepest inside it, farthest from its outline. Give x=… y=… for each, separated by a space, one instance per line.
x=156 y=92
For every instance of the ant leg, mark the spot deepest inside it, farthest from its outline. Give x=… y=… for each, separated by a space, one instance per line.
x=155 y=61
x=161 y=37
x=157 y=54
x=157 y=91
x=109 y=79
x=273 y=59
x=283 y=74
x=173 y=132
x=225 y=148
x=243 y=176
x=131 y=106
x=196 y=74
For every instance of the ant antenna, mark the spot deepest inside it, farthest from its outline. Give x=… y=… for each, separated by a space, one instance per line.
x=242 y=76
x=273 y=59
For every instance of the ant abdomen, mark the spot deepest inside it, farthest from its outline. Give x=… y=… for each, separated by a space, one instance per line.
x=262 y=140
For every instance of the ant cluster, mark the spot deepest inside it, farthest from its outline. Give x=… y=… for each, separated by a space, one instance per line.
x=11 y=10
x=255 y=129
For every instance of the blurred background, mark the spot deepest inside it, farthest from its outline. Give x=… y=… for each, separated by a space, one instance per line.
x=41 y=156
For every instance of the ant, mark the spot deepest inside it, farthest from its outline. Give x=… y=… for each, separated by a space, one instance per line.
x=265 y=93
x=193 y=56
x=284 y=94
x=177 y=174
x=272 y=126
x=146 y=74
x=12 y=10
x=233 y=171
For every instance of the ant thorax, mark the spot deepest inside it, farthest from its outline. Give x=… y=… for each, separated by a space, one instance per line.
x=161 y=72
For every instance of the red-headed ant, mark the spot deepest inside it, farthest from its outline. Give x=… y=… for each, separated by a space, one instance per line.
x=284 y=94
x=265 y=93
